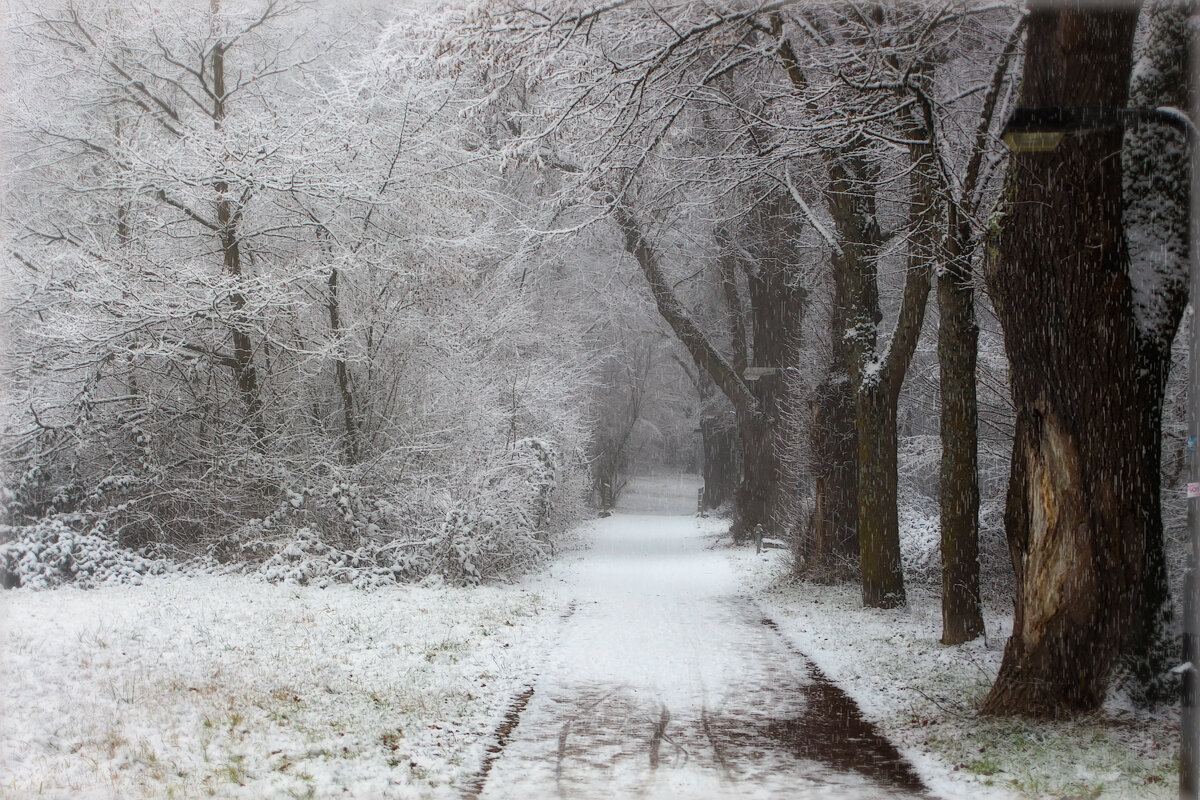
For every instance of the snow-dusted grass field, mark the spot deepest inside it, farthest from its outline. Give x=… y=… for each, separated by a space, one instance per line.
x=924 y=696
x=228 y=686
x=233 y=687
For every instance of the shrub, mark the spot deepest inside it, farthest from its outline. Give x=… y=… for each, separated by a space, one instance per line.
x=58 y=550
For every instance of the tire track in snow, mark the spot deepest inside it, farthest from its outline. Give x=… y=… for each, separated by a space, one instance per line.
x=665 y=648
x=504 y=731
x=660 y=729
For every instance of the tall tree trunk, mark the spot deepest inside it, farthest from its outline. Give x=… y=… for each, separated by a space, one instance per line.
x=958 y=339
x=832 y=545
x=1156 y=179
x=723 y=480
x=777 y=305
x=760 y=474
x=341 y=370
x=958 y=347
x=231 y=252
x=876 y=378
x=829 y=544
x=1080 y=493
x=851 y=194
x=878 y=520
x=720 y=466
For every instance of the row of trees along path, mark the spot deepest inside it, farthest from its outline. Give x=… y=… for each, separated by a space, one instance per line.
x=1083 y=520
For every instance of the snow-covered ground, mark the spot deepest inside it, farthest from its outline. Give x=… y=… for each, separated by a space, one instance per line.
x=651 y=668
x=925 y=696
x=666 y=683
x=234 y=687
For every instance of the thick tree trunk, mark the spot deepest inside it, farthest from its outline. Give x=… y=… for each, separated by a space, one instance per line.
x=1151 y=648
x=958 y=345
x=760 y=474
x=777 y=305
x=829 y=545
x=958 y=337
x=851 y=194
x=720 y=467
x=1156 y=177
x=876 y=378
x=878 y=518
x=1080 y=494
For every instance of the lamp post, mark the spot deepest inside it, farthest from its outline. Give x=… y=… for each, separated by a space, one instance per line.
x=1041 y=130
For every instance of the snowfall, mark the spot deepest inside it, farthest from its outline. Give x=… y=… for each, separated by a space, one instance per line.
x=650 y=658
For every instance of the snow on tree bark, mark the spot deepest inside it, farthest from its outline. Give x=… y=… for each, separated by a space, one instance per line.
x=1156 y=215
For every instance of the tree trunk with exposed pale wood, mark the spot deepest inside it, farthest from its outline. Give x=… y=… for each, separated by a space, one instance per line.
x=1080 y=498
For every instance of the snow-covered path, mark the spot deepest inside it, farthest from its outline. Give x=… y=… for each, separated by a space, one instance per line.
x=667 y=683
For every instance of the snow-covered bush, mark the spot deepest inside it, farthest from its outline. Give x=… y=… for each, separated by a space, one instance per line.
x=542 y=480
x=56 y=550
x=494 y=521
x=500 y=527
x=302 y=557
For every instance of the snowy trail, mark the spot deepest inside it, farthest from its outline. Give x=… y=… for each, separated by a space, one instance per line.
x=666 y=683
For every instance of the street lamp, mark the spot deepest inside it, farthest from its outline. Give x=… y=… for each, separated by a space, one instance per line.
x=1034 y=130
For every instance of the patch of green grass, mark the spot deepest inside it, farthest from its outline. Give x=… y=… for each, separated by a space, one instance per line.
x=307 y=793
x=234 y=770
x=983 y=766
x=1083 y=758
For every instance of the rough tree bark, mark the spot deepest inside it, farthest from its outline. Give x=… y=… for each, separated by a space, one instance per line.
x=720 y=467
x=876 y=378
x=1156 y=179
x=1080 y=493
x=958 y=340
x=830 y=545
x=958 y=347
x=777 y=304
